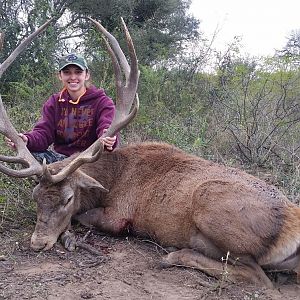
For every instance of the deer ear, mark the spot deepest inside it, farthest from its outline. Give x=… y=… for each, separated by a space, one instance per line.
x=87 y=182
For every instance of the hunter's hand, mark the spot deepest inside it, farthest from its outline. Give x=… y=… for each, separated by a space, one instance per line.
x=108 y=142
x=11 y=144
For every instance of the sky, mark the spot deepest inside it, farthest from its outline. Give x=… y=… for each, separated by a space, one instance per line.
x=263 y=25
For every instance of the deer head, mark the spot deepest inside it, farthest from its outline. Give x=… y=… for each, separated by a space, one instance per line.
x=53 y=182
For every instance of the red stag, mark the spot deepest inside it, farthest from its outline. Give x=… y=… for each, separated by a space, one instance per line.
x=203 y=209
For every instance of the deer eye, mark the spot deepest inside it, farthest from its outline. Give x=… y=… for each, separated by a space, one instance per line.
x=68 y=200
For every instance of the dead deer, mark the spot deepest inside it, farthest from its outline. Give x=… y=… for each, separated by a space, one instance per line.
x=203 y=209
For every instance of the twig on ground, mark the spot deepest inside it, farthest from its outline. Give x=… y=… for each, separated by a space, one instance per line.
x=157 y=245
x=91 y=264
x=86 y=235
x=88 y=248
x=81 y=244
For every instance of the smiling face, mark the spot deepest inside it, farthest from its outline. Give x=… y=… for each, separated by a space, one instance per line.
x=73 y=79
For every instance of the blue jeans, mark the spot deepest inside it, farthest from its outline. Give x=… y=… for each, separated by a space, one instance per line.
x=49 y=155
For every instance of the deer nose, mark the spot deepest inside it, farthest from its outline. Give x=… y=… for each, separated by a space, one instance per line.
x=41 y=242
x=37 y=244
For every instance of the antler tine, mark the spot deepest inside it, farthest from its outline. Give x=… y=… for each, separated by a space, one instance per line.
x=24 y=156
x=126 y=93
x=126 y=97
x=115 y=45
x=22 y=46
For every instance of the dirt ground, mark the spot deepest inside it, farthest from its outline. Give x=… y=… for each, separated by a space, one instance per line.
x=127 y=268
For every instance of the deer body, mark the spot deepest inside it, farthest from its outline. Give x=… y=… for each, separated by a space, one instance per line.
x=183 y=201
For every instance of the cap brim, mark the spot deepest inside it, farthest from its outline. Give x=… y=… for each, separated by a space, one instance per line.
x=71 y=63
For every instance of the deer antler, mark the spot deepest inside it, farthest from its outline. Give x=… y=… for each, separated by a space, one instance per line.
x=24 y=156
x=126 y=93
x=126 y=98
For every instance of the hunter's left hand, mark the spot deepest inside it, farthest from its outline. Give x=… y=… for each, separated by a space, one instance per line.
x=108 y=142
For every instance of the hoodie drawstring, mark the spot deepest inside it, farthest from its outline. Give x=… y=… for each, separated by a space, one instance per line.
x=60 y=99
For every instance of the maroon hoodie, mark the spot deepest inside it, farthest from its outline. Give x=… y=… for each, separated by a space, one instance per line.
x=71 y=127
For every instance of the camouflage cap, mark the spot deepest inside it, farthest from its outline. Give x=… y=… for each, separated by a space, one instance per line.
x=73 y=59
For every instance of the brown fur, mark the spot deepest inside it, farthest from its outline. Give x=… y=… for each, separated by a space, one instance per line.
x=186 y=202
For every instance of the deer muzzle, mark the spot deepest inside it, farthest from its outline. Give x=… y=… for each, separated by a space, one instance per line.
x=42 y=242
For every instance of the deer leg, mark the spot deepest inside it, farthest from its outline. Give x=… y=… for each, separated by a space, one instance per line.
x=297 y=270
x=68 y=240
x=249 y=271
x=291 y=263
x=103 y=220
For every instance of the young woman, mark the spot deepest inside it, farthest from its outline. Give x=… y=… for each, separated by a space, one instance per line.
x=73 y=118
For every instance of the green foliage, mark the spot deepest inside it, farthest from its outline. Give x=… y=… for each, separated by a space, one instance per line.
x=15 y=194
x=18 y=20
x=257 y=108
x=292 y=48
x=16 y=207
x=171 y=110
x=160 y=28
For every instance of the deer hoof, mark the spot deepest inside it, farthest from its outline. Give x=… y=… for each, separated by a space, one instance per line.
x=164 y=263
x=68 y=240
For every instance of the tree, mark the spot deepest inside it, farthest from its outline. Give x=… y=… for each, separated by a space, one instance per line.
x=160 y=28
x=256 y=106
x=292 y=47
x=17 y=20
